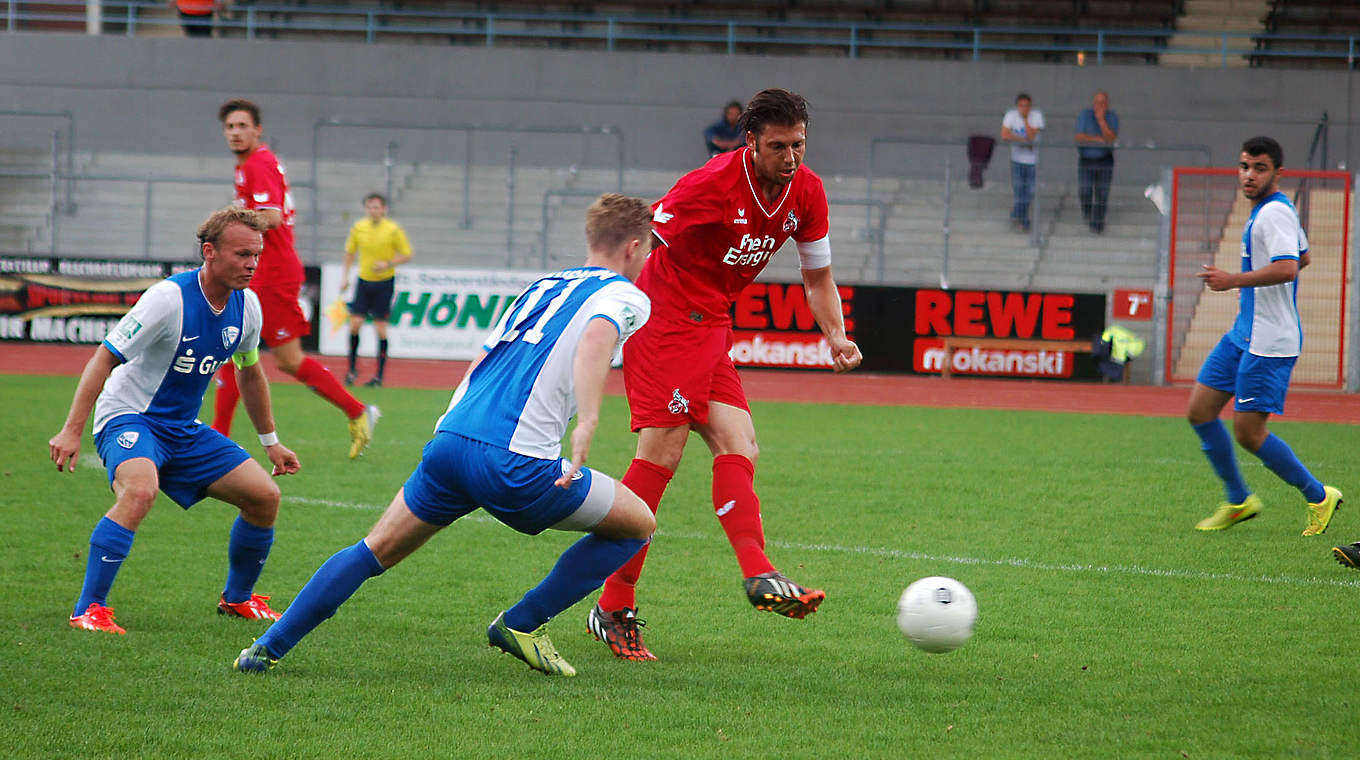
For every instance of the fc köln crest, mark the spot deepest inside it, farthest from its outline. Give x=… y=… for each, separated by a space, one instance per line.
x=791 y=223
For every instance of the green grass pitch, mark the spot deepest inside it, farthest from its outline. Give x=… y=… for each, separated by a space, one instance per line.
x=1108 y=626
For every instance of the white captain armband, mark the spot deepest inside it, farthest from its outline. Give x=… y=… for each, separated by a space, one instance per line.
x=246 y=359
x=814 y=255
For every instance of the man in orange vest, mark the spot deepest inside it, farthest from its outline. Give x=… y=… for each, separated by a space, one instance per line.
x=196 y=16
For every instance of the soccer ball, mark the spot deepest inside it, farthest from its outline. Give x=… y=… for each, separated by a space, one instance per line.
x=937 y=614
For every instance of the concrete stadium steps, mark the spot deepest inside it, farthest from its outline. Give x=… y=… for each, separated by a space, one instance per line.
x=1319 y=299
x=25 y=201
x=1207 y=17
x=428 y=200
x=983 y=250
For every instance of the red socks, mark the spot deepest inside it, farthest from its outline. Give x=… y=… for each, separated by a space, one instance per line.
x=649 y=482
x=224 y=401
x=738 y=509
x=734 y=501
x=314 y=375
x=311 y=373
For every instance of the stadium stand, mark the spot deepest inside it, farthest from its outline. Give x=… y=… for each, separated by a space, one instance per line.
x=930 y=232
x=1202 y=26
x=25 y=199
x=1305 y=30
x=1019 y=30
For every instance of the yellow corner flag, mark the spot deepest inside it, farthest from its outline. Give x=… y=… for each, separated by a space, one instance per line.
x=337 y=313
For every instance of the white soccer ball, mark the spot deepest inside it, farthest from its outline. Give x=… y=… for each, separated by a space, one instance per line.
x=937 y=614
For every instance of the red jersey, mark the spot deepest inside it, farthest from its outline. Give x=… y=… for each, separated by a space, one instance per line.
x=719 y=232
x=260 y=184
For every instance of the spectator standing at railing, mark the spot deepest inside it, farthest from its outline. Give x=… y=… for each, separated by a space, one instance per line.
x=1097 y=129
x=1021 y=127
x=195 y=16
x=725 y=134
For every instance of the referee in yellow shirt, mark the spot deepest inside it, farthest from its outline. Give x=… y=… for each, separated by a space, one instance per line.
x=381 y=245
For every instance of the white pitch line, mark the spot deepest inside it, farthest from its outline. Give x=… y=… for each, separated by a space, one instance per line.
x=1019 y=562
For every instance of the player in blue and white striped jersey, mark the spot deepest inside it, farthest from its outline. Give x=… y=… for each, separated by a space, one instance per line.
x=1254 y=360
x=153 y=369
x=498 y=448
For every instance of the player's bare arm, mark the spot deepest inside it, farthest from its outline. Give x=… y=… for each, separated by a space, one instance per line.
x=1284 y=270
x=472 y=365
x=255 y=395
x=64 y=447
x=344 y=274
x=825 y=302
x=590 y=369
x=272 y=216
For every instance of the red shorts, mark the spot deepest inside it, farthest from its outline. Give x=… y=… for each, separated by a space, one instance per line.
x=671 y=371
x=283 y=319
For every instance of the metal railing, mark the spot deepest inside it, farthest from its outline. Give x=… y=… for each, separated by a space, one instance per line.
x=469 y=130
x=731 y=36
x=1068 y=150
x=65 y=147
x=545 y=215
x=149 y=200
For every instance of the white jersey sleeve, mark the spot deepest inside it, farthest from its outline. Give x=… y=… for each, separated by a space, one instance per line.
x=1268 y=316
x=252 y=323
x=625 y=305
x=155 y=315
x=145 y=341
x=1278 y=233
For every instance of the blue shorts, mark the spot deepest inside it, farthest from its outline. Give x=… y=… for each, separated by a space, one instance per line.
x=188 y=458
x=373 y=298
x=1258 y=382
x=457 y=475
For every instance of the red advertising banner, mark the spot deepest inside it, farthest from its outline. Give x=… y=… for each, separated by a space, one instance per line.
x=773 y=326
x=994 y=333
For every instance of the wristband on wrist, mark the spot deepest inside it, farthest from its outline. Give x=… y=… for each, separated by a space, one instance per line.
x=269 y=439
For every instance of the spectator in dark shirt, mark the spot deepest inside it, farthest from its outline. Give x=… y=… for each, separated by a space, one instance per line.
x=1097 y=129
x=725 y=134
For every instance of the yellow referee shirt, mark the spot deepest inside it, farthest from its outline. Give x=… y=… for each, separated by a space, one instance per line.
x=374 y=243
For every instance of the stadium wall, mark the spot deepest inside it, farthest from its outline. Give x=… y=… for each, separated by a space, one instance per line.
x=160 y=95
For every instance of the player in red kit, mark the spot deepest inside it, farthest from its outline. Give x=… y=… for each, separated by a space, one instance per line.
x=261 y=185
x=717 y=229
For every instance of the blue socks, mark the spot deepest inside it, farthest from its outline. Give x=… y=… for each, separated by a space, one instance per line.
x=109 y=546
x=246 y=553
x=1218 y=447
x=580 y=570
x=1280 y=459
x=335 y=581
x=1274 y=453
